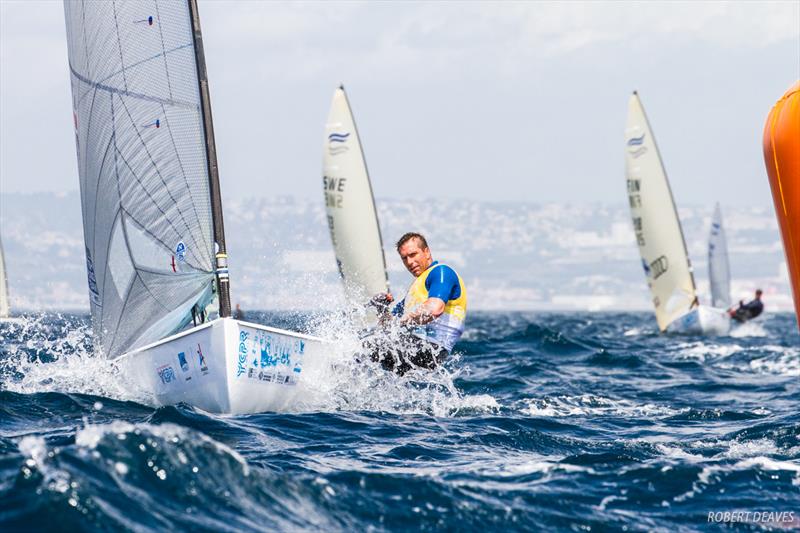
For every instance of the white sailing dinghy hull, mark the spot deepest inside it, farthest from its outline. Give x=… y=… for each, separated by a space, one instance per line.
x=702 y=320
x=228 y=366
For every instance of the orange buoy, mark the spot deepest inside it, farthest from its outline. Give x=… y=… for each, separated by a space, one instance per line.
x=782 y=157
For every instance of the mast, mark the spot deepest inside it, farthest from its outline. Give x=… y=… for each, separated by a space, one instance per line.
x=223 y=280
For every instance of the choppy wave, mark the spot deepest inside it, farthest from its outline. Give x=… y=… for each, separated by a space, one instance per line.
x=539 y=422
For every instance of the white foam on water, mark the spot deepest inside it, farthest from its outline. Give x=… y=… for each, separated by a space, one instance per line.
x=351 y=382
x=673 y=452
x=70 y=367
x=714 y=473
x=592 y=405
x=784 y=364
x=752 y=448
x=749 y=329
x=702 y=351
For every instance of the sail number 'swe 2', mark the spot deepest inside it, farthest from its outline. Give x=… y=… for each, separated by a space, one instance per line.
x=634 y=186
x=334 y=187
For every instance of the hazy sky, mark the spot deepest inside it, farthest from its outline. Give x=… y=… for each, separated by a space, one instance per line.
x=501 y=101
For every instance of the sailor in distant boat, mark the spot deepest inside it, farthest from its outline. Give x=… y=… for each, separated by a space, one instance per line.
x=750 y=310
x=431 y=316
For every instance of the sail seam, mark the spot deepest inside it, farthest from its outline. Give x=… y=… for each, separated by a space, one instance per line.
x=132 y=94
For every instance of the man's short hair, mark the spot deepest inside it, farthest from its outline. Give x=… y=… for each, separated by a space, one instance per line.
x=759 y=292
x=411 y=235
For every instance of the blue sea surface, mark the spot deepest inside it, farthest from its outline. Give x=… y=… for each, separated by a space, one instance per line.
x=540 y=422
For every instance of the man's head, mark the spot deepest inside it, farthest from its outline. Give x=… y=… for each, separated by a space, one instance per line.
x=759 y=292
x=414 y=251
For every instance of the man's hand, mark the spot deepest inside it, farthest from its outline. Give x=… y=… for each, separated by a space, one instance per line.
x=381 y=301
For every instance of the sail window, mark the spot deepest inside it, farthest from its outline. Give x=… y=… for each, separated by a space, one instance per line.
x=119 y=261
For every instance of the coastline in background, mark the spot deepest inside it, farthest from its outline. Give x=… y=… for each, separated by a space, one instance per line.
x=518 y=256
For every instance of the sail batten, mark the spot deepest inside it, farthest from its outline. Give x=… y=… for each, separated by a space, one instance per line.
x=143 y=162
x=659 y=236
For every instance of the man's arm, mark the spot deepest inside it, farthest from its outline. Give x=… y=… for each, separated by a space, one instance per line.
x=429 y=311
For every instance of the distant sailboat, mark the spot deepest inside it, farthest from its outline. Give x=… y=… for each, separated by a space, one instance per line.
x=659 y=235
x=719 y=272
x=4 y=306
x=152 y=215
x=350 y=206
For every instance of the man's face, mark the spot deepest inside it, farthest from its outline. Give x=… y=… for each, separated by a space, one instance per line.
x=415 y=258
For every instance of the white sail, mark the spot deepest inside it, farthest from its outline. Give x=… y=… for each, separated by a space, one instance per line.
x=655 y=221
x=4 y=307
x=350 y=206
x=143 y=165
x=719 y=273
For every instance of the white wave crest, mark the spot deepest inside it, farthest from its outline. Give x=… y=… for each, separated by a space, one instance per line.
x=588 y=404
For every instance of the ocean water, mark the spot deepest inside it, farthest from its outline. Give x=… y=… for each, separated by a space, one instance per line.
x=574 y=422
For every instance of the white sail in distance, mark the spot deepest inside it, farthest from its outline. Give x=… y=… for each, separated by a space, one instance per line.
x=4 y=306
x=719 y=272
x=143 y=167
x=350 y=206
x=655 y=221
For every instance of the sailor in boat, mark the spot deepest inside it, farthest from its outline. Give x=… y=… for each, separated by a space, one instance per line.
x=238 y=314
x=428 y=322
x=748 y=311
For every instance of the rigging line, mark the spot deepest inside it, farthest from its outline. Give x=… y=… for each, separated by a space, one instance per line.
x=186 y=183
x=158 y=172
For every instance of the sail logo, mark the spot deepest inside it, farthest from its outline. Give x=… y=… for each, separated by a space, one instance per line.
x=657 y=268
x=180 y=252
x=636 y=146
x=337 y=143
